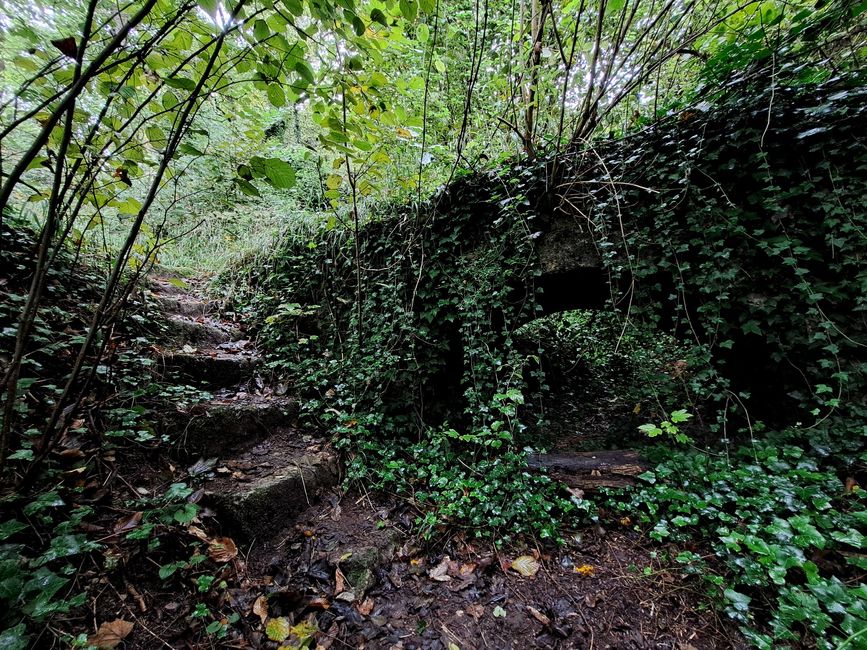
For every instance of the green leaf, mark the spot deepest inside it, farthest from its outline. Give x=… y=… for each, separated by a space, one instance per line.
x=294 y=6
x=279 y=173
x=409 y=9
x=305 y=71
x=210 y=6
x=377 y=16
x=358 y=25
x=423 y=33
x=190 y=150
x=247 y=187
x=169 y=100
x=427 y=6
x=14 y=638
x=180 y=82
x=10 y=527
x=261 y=30
x=276 y=95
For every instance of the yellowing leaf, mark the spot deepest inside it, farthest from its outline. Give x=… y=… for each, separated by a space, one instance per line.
x=403 y=133
x=278 y=629
x=585 y=570
x=526 y=565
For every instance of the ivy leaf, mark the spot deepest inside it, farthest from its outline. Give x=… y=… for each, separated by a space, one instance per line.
x=14 y=638
x=10 y=527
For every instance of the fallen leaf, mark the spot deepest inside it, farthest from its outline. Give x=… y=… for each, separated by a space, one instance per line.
x=539 y=616
x=260 y=608
x=109 y=635
x=476 y=611
x=222 y=549
x=625 y=521
x=365 y=606
x=128 y=523
x=467 y=569
x=198 y=533
x=440 y=572
x=278 y=629
x=584 y=570
x=526 y=565
x=499 y=612
x=339 y=582
x=319 y=603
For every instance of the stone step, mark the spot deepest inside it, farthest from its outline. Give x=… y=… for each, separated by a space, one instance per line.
x=224 y=425
x=256 y=494
x=224 y=365
x=184 y=330
x=184 y=305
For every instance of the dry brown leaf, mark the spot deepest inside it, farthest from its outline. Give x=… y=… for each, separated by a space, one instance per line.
x=128 y=523
x=365 y=606
x=539 y=616
x=466 y=570
x=109 y=635
x=260 y=608
x=319 y=603
x=198 y=533
x=526 y=565
x=440 y=572
x=339 y=582
x=476 y=611
x=222 y=549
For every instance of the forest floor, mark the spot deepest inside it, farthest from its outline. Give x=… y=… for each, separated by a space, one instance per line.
x=309 y=562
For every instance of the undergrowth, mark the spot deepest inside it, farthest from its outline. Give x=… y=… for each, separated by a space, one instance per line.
x=748 y=257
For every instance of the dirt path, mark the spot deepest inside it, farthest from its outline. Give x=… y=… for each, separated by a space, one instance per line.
x=341 y=570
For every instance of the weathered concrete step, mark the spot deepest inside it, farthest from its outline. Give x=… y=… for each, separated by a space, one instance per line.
x=214 y=428
x=257 y=494
x=185 y=330
x=227 y=364
x=184 y=305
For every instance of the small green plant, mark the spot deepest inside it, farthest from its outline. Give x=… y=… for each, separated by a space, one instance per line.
x=669 y=428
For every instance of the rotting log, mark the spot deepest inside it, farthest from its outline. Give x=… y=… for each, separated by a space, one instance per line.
x=591 y=470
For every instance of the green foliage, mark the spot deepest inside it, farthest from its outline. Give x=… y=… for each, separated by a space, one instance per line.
x=669 y=428
x=420 y=380
x=783 y=527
